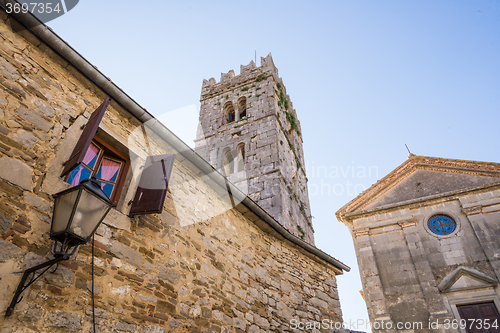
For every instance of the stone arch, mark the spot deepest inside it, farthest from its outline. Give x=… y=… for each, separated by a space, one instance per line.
x=240 y=158
x=242 y=108
x=227 y=161
x=229 y=112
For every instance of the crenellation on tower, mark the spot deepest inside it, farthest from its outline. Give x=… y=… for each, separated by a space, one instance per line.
x=249 y=131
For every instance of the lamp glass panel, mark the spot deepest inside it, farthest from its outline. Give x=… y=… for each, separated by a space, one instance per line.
x=62 y=212
x=88 y=214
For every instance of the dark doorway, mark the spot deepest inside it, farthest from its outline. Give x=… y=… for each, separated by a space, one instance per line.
x=481 y=317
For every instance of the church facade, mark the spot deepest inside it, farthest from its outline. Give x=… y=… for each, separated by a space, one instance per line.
x=427 y=244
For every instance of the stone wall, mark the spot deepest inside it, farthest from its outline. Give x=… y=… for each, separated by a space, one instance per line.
x=274 y=172
x=200 y=266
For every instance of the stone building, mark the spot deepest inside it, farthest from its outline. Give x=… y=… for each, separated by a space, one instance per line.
x=427 y=243
x=206 y=258
x=250 y=132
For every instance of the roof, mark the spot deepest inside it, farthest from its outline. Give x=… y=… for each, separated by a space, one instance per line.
x=422 y=178
x=61 y=47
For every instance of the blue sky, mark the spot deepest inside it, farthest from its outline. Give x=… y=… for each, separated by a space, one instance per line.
x=365 y=77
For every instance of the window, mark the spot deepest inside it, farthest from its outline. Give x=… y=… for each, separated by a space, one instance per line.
x=103 y=162
x=240 y=158
x=242 y=107
x=227 y=162
x=233 y=161
x=229 y=112
x=92 y=156
x=441 y=225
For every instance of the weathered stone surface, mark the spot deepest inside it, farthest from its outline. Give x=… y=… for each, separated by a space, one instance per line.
x=68 y=109
x=65 y=320
x=16 y=172
x=97 y=290
x=118 y=220
x=35 y=201
x=153 y=329
x=27 y=139
x=33 y=118
x=9 y=251
x=126 y=253
x=125 y=327
x=238 y=323
x=168 y=274
x=57 y=131
x=45 y=109
x=5 y=223
x=175 y=323
x=33 y=313
x=62 y=277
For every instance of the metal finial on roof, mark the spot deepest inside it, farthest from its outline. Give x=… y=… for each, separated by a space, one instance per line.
x=409 y=152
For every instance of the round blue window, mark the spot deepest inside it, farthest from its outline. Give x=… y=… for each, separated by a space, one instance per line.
x=442 y=225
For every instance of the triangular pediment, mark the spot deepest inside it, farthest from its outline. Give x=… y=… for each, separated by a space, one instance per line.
x=421 y=178
x=464 y=278
x=424 y=181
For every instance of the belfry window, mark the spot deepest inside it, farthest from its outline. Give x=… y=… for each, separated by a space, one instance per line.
x=227 y=162
x=229 y=112
x=242 y=107
x=240 y=158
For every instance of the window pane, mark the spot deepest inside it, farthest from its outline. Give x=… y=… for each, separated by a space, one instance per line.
x=433 y=221
x=78 y=174
x=446 y=220
x=107 y=188
x=108 y=170
x=91 y=156
x=449 y=228
x=438 y=230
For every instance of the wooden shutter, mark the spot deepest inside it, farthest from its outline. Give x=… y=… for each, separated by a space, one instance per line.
x=86 y=138
x=152 y=187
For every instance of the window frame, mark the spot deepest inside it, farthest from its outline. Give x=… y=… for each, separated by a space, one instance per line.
x=442 y=212
x=109 y=152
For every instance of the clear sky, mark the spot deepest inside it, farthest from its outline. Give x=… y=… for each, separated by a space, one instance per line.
x=365 y=77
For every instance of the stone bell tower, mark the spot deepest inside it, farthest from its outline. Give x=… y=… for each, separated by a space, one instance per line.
x=249 y=131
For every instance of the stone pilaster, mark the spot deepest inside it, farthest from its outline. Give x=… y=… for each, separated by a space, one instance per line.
x=428 y=285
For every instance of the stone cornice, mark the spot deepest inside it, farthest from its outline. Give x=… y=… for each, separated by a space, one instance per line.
x=473 y=210
x=408 y=223
x=416 y=203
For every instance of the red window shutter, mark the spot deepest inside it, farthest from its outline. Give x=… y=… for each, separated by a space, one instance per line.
x=86 y=138
x=152 y=187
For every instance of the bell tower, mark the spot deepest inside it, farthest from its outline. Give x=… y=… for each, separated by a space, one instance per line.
x=249 y=131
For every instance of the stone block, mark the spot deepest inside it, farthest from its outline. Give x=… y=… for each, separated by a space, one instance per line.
x=153 y=329
x=126 y=253
x=64 y=320
x=62 y=277
x=27 y=139
x=35 y=201
x=10 y=251
x=168 y=274
x=16 y=172
x=117 y=220
x=34 y=118
x=45 y=109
